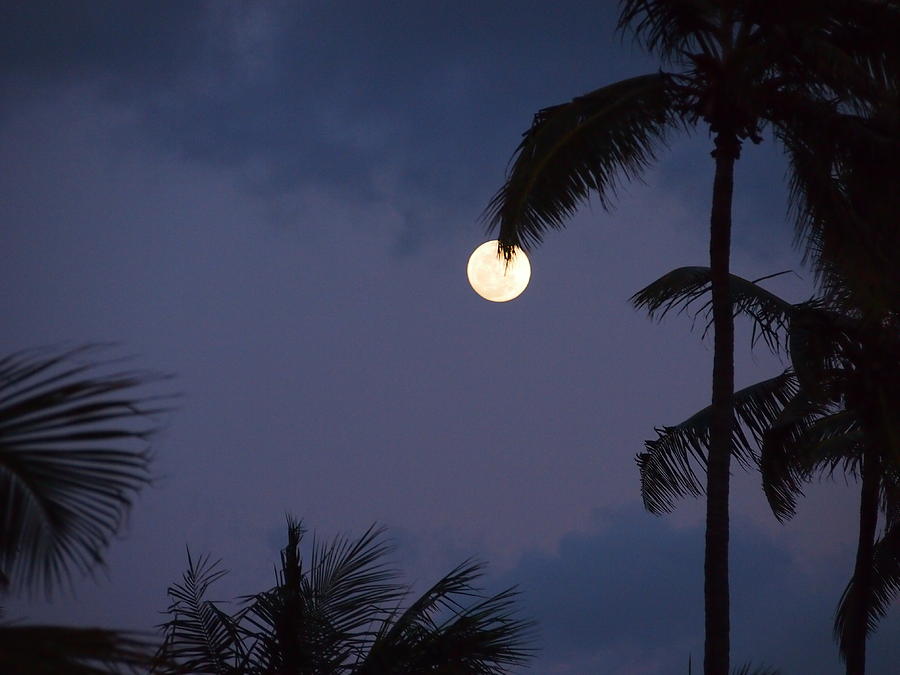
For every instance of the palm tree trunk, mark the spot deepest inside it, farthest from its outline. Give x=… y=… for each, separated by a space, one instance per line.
x=862 y=572
x=716 y=595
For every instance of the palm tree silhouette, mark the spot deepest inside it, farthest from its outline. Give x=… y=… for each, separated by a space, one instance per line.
x=835 y=409
x=73 y=454
x=342 y=613
x=743 y=64
x=847 y=362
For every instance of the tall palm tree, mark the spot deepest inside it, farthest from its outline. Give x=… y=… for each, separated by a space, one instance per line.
x=73 y=453
x=847 y=419
x=741 y=65
x=343 y=613
x=845 y=174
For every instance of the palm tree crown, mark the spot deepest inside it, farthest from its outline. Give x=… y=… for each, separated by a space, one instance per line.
x=343 y=613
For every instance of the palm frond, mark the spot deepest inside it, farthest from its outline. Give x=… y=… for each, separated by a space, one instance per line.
x=571 y=150
x=885 y=579
x=50 y=650
x=808 y=437
x=671 y=28
x=867 y=30
x=843 y=173
x=817 y=340
x=351 y=576
x=482 y=638
x=319 y=618
x=669 y=465
x=686 y=290
x=200 y=637
x=73 y=453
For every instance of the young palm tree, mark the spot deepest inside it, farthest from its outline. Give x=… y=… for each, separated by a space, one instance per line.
x=73 y=453
x=741 y=65
x=342 y=613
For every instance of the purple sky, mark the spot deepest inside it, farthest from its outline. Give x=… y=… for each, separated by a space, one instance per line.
x=276 y=201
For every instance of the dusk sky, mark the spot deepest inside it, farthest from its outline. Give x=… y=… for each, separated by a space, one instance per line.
x=275 y=202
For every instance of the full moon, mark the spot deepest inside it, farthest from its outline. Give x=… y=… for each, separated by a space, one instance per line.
x=492 y=278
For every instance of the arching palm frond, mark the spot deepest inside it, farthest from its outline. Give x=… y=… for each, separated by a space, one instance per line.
x=885 y=580
x=349 y=577
x=807 y=438
x=200 y=637
x=318 y=618
x=436 y=632
x=668 y=466
x=73 y=453
x=687 y=290
x=51 y=650
x=575 y=148
x=342 y=613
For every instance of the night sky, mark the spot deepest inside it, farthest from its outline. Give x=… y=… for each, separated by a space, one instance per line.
x=275 y=202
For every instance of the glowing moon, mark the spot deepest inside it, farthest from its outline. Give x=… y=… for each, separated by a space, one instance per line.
x=492 y=278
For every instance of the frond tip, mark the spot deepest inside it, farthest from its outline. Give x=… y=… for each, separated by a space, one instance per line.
x=688 y=290
x=73 y=453
x=885 y=588
x=587 y=145
x=670 y=464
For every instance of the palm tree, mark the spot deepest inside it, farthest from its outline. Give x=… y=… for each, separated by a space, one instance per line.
x=847 y=419
x=343 y=613
x=73 y=454
x=742 y=64
x=845 y=175
x=837 y=408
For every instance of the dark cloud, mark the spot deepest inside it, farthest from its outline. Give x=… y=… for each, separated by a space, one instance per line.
x=627 y=598
x=301 y=93
x=138 y=42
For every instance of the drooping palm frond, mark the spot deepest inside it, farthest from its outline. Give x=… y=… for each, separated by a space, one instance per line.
x=885 y=588
x=844 y=204
x=438 y=632
x=73 y=453
x=200 y=637
x=806 y=439
x=571 y=150
x=51 y=650
x=867 y=30
x=687 y=290
x=669 y=465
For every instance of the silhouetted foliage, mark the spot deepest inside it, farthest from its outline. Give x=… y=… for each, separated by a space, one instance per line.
x=741 y=65
x=74 y=434
x=343 y=612
x=837 y=409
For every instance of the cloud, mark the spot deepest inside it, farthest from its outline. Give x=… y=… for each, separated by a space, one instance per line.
x=626 y=598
